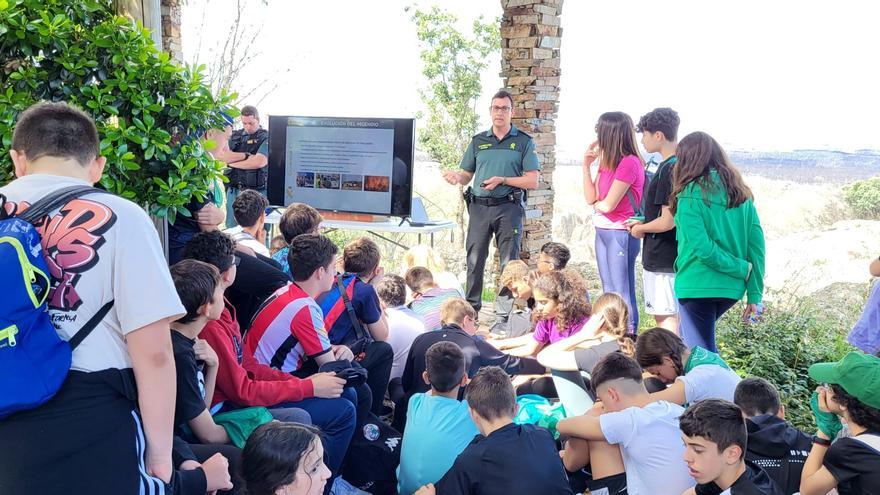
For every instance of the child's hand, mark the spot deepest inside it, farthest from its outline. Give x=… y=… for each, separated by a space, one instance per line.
x=427 y=490
x=205 y=353
x=217 y=473
x=827 y=422
x=342 y=352
x=592 y=153
x=327 y=385
x=635 y=230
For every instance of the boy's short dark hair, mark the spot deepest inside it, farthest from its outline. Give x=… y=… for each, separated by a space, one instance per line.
x=491 y=395
x=308 y=252
x=392 y=290
x=361 y=256
x=613 y=366
x=558 y=252
x=664 y=120
x=213 y=247
x=503 y=93
x=248 y=207
x=756 y=396
x=418 y=277
x=195 y=282
x=56 y=129
x=718 y=421
x=444 y=362
x=298 y=219
x=250 y=111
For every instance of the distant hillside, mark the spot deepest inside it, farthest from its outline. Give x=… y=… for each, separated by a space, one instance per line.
x=804 y=166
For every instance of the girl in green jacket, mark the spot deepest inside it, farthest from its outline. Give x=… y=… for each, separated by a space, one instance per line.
x=720 y=240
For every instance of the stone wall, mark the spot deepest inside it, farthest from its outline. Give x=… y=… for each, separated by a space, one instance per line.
x=530 y=41
x=171 y=41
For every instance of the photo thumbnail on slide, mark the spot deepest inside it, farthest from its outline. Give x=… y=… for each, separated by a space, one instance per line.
x=340 y=164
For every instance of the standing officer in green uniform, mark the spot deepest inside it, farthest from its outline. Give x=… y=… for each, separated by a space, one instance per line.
x=504 y=164
x=247 y=158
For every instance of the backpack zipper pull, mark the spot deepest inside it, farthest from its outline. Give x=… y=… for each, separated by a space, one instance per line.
x=8 y=333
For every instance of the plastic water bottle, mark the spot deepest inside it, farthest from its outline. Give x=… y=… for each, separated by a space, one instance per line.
x=759 y=310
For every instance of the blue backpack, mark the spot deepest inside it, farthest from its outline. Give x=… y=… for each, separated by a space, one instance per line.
x=34 y=360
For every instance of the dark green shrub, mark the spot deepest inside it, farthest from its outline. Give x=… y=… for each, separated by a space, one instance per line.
x=147 y=108
x=863 y=197
x=781 y=347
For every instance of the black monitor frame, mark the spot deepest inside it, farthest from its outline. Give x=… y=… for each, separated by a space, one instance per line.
x=404 y=150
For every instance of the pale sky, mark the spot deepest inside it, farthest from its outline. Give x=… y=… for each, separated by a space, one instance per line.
x=757 y=75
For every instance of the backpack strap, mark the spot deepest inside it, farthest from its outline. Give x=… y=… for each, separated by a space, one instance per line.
x=90 y=325
x=355 y=321
x=55 y=200
x=870 y=439
x=47 y=205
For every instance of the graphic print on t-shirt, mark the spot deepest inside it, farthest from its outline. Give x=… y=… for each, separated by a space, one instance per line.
x=71 y=240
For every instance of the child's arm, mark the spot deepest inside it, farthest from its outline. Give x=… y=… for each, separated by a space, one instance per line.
x=674 y=393
x=692 y=231
x=153 y=363
x=527 y=349
x=612 y=199
x=206 y=430
x=559 y=356
x=206 y=354
x=586 y=426
x=815 y=478
x=512 y=342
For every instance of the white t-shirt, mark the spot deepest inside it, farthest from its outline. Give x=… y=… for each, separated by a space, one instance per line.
x=100 y=247
x=709 y=381
x=404 y=325
x=651 y=447
x=247 y=240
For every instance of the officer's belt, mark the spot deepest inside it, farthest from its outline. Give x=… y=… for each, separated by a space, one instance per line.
x=512 y=197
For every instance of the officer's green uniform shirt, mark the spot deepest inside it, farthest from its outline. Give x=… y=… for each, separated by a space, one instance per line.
x=486 y=156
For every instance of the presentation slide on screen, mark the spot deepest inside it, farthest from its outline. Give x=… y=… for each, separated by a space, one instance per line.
x=336 y=164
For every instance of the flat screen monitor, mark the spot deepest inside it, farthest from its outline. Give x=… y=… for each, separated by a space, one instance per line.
x=356 y=165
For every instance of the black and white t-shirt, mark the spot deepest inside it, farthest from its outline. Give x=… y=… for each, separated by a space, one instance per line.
x=99 y=248
x=855 y=464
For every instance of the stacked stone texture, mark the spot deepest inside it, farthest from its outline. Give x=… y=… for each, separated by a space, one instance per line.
x=530 y=41
x=171 y=41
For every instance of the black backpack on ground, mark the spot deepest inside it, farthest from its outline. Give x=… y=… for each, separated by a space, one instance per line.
x=373 y=457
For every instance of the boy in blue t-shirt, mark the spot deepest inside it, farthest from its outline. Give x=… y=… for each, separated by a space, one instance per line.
x=438 y=425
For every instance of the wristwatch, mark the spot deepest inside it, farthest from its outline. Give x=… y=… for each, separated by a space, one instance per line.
x=821 y=441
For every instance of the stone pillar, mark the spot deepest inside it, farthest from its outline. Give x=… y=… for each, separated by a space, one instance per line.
x=530 y=41
x=171 y=41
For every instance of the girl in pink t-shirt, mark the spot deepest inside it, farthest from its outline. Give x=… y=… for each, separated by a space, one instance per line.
x=561 y=309
x=616 y=196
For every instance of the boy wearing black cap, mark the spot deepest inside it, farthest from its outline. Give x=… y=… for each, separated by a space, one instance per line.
x=851 y=392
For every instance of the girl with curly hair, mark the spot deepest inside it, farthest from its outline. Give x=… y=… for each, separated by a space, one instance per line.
x=561 y=309
x=607 y=331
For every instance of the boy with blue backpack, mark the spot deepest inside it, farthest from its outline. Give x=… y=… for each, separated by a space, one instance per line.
x=94 y=260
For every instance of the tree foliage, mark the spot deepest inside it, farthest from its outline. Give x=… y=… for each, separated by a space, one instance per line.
x=782 y=346
x=452 y=64
x=863 y=197
x=149 y=111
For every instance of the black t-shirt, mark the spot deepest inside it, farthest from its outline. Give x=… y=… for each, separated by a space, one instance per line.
x=190 y=381
x=660 y=249
x=753 y=481
x=512 y=459
x=477 y=353
x=855 y=465
x=256 y=279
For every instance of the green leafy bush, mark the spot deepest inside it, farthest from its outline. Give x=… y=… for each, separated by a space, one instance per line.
x=863 y=197
x=788 y=339
x=147 y=108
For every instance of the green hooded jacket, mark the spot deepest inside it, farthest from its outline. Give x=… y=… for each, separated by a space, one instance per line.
x=716 y=245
